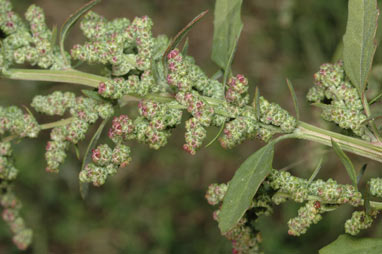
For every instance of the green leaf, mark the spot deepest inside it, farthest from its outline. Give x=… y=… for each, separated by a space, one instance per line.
x=54 y=35
x=294 y=99
x=216 y=136
x=84 y=187
x=227 y=29
x=346 y=244
x=361 y=173
x=244 y=185
x=93 y=94
x=65 y=29
x=217 y=75
x=179 y=37
x=257 y=102
x=316 y=170
x=346 y=162
x=359 y=41
x=185 y=47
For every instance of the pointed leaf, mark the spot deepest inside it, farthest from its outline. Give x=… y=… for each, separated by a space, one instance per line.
x=244 y=185
x=346 y=162
x=227 y=29
x=70 y=22
x=346 y=244
x=361 y=173
x=183 y=33
x=185 y=47
x=54 y=35
x=88 y=156
x=359 y=41
x=294 y=98
x=216 y=137
x=257 y=102
x=217 y=75
x=316 y=170
x=93 y=94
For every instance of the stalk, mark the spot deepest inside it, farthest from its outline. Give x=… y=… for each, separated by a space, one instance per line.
x=303 y=131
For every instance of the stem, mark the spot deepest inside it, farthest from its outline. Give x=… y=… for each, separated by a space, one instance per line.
x=303 y=131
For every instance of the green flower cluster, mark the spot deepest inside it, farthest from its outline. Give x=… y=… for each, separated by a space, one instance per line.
x=7 y=168
x=375 y=185
x=125 y=46
x=244 y=237
x=15 y=122
x=190 y=83
x=307 y=215
x=339 y=100
x=358 y=221
x=300 y=189
x=22 y=236
x=84 y=110
x=31 y=43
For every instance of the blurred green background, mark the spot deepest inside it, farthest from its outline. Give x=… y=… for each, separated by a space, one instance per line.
x=156 y=205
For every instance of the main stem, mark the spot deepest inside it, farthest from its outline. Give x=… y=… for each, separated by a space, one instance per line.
x=303 y=131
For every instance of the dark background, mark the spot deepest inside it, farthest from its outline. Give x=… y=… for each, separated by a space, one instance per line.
x=156 y=205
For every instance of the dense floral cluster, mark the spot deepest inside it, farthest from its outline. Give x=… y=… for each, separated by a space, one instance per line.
x=10 y=204
x=359 y=220
x=22 y=236
x=307 y=215
x=16 y=123
x=300 y=189
x=375 y=185
x=125 y=46
x=244 y=237
x=24 y=43
x=84 y=111
x=339 y=99
x=241 y=121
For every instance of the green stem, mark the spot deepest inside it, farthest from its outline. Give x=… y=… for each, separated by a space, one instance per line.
x=303 y=131
x=349 y=144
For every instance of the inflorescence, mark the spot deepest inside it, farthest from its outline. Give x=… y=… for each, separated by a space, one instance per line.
x=167 y=82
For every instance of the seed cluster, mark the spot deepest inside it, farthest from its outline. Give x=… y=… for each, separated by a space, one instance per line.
x=375 y=185
x=358 y=221
x=339 y=99
x=84 y=110
x=8 y=201
x=22 y=236
x=32 y=43
x=245 y=239
x=307 y=215
x=16 y=123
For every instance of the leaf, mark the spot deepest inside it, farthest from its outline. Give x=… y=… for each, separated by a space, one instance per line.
x=346 y=244
x=217 y=136
x=361 y=173
x=375 y=99
x=179 y=37
x=54 y=35
x=359 y=41
x=294 y=99
x=84 y=187
x=257 y=102
x=346 y=162
x=316 y=170
x=65 y=29
x=217 y=75
x=185 y=47
x=92 y=94
x=244 y=185
x=227 y=29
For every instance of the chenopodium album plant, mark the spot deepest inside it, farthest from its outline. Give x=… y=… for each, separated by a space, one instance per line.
x=170 y=87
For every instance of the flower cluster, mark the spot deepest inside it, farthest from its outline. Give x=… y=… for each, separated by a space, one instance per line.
x=7 y=169
x=300 y=189
x=245 y=239
x=339 y=100
x=84 y=111
x=22 y=236
x=106 y=161
x=375 y=185
x=197 y=94
x=15 y=122
x=31 y=43
x=307 y=215
x=358 y=221
x=125 y=46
